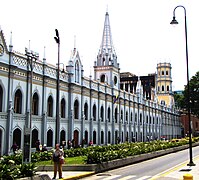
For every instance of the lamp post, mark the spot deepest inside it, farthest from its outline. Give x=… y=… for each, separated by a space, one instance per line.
x=31 y=55
x=57 y=137
x=188 y=89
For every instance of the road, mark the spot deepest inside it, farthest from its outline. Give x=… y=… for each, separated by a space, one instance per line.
x=148 y=169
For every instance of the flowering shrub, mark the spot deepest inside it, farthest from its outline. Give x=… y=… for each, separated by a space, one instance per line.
x=11 y=167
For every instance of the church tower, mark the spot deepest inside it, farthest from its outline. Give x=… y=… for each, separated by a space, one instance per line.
x=164 y=84
x=106 y=68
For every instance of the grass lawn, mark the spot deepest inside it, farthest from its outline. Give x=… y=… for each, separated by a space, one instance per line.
x=68 y=160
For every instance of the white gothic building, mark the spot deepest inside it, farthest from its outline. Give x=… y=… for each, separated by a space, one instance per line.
x=90 y=108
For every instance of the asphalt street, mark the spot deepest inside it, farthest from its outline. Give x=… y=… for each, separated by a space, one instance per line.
x=148 y=169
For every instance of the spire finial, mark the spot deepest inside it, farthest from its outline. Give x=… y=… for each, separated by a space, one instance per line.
x=107 y=8
x=74 y=41
x=10 y=45
x=44 y=52
x=11 y=38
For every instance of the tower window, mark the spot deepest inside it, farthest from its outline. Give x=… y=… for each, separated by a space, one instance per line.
x=167 y=88
x=115 y=80
x=102 y=79
x=167 y=73
x=162 y=72
x=162 y=88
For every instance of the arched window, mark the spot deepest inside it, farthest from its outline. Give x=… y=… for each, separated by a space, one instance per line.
x=50 y=106
x=86 y=111
x=102 y=137
x=115 y=115
x=135 y=117
x=63 y=137
x=162 y=88
x=109 y=137
x=94 y=112
x=102 y=114
x=86 y=136
x=17 y=137
x=102 y=78
x=34 y=137
x=131 y=116
x=76 y=109
x=109 y=114
x=63 y=108
x=35 y=104
x=127 y=117
x=1 y=98
x=167 y=88
x=94 y=137
x=18 y=102
x=49 y=138
x=77 y=72
x=121 y=115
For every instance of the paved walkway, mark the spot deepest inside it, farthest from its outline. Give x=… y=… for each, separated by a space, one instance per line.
x=174 y=173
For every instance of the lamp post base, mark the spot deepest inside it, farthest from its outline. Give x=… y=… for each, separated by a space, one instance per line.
x=191 y=164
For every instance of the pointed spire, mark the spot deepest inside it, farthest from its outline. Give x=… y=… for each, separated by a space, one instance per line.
x=107 y=36
x=74 y=41
x=107 y=55
x=10 y=46
x=44 y=58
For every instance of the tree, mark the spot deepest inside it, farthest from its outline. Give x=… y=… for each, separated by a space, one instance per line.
x=194 y=94
x=179 y=100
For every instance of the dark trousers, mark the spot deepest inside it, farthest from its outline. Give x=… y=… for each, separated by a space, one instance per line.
x=57 y=166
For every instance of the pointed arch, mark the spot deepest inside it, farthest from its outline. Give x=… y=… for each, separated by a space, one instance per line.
x=121 y=115
x=86 y=111
x=102 y=78
x=35 y=104
x=63 y=137
x=102 y=113
x=49 y=138
x=63 y=108
x=94 y=137
x=17 y=137
x=34 y=137
x=76 y=109
x=109 y=137
x=94 y=112
x=18 y=102
x=127 y=117
x=109 y=114
x=102 y=137
x=116 y=115
x=50 y=106
x=86 y=136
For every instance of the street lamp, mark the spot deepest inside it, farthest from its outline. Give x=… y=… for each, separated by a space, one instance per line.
x=174 y=21
x=57 y=139
x=31 y=55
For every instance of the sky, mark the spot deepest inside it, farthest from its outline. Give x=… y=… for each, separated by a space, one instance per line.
x=141 y=32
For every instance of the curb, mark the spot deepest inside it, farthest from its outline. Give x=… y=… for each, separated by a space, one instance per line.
x=82 y=175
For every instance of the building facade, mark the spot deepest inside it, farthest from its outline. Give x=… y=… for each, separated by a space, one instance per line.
x=94 y=109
